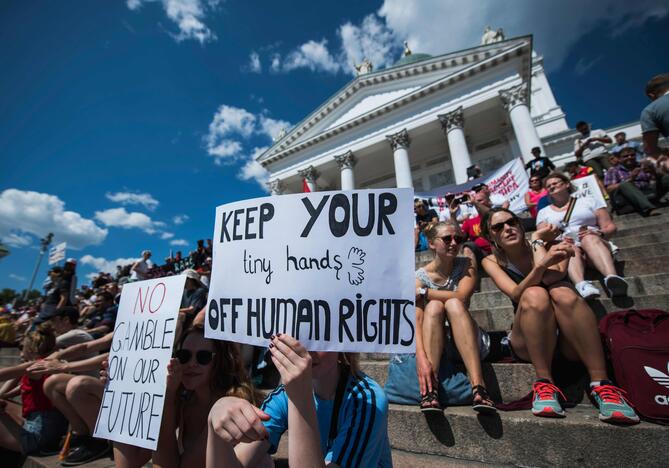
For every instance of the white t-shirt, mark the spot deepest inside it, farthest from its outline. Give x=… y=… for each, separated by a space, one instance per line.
x=583 y=215
x=594 y=148
x=140 y=271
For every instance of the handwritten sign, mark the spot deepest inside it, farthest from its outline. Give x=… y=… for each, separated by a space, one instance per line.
x=132 y=402
x=589 y=188
x=333 y=269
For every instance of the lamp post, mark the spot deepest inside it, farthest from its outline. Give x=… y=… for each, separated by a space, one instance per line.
x=44 y=245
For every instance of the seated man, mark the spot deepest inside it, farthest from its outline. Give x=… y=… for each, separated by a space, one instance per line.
x=590 y=147
x=625 y=181
x=622 y=142
x=102 y=319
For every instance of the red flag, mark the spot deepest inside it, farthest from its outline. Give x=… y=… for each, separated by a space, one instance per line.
x=305 y=186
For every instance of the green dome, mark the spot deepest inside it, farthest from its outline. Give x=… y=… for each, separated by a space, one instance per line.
x=411 y=58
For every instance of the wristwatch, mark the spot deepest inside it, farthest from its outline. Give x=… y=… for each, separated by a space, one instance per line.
x=536 y=242
x=423 y=294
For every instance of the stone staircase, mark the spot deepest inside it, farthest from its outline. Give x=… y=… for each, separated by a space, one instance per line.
x=460 y=437
x=518 y=438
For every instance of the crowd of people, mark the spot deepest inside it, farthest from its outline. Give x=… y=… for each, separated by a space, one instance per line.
x=214 y=413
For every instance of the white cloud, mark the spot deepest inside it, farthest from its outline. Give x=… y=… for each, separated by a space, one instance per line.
x=180 y=219
x=130 y=198
x=254 y=63
x=232 y=127
x=372 y=40
x=584 y=65
x=102 y=264
x=17 y=277
x=188 y=15
x=440 y=26
x=166 y=235
x=252 y=170
x=37 y=213
x=119 y=217
x=312 y=55
x=179 y=242
x=16 y=239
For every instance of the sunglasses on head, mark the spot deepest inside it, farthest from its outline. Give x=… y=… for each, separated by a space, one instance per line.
x=448 y=238
x=511 y=222
x=203 y=356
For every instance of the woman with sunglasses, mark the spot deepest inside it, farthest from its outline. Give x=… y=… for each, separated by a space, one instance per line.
x=336 y=415
x=589 y=225
x=548 y=314
x=201 y=372
x=443 y=289
x=534 y=194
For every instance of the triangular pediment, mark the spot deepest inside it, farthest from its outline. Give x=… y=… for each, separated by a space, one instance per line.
x=365 y=95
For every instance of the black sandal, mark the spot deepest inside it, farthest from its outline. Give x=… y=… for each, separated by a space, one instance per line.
x=430 y=402
x=485 y=404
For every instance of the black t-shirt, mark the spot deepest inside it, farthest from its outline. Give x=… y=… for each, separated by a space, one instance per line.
x=57 y=289
x=540 y=167
x=196 y=298
x=427 y=217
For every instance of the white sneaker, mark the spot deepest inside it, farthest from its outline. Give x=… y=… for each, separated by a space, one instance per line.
x=616 y=285
x=587 y=290
x=615 y=250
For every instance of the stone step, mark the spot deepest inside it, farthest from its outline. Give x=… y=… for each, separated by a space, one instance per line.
x=638 y=286
x=643 y=251
x=501 y=318
x=8 y=361
x=640 y=222
x=404 y=459
x=634 y=238
x=518 y=438
x=664 y=211
x=504 y=381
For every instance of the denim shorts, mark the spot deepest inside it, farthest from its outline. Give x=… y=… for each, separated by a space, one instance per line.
x=42 y=430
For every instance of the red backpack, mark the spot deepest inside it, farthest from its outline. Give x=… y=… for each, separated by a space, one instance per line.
x=637 y=345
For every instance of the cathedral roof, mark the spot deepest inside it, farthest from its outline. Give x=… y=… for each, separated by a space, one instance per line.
x=411 y=58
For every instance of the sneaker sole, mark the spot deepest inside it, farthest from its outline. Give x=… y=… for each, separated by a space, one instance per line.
x=431 y=410
x=617 y=287
x=104 y=454
x=619 y=418
x=484 y=409
x=548 y=413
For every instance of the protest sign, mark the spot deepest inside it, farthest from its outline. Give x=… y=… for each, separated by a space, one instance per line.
x=333 y=269
x=132 y=402
x=57 y=253
x=509 y=182
x=587 y=187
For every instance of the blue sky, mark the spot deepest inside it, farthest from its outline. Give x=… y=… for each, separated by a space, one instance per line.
x=123 y=124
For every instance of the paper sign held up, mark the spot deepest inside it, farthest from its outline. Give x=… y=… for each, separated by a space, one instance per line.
x=333 y=269
x=132 y=402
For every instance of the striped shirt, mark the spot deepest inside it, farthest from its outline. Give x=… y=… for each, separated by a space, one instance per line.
x=362 y=427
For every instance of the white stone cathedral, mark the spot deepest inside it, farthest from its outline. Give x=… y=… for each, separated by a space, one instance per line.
x=423 y=121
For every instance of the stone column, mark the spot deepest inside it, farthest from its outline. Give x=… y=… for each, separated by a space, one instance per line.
x=399 y=142
x=310 y=174
x=275 y=186
x=346 y=162
x=515 y=103
x=453 y=123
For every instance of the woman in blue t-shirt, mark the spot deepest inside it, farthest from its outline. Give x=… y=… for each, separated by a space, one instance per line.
x=336 y=415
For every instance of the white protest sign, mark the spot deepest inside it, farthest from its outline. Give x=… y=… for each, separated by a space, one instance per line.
x=512 y=183
x=333 y=269
x=132 y=402
x=587 y=187
x=57 y=253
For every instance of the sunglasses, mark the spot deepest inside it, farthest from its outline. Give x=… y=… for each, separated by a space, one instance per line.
x=450 y=238
x=203 y=356
x=511 y=222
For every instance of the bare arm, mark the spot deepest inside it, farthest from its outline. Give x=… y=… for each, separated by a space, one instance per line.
x=527 y=200
x=13 y=372
x=71 y=353
x=63 y=367
x=605 y=223
x=650 y=145
x=506 y=284
x=167 y=454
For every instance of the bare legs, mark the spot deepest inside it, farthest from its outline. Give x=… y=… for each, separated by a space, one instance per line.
x=55 y=388
x=10 y=427
x=597 y=253
x=85 y=394
x=534 y=336
x=463 y=330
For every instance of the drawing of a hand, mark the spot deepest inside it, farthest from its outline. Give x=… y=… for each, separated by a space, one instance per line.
x=353 y=266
